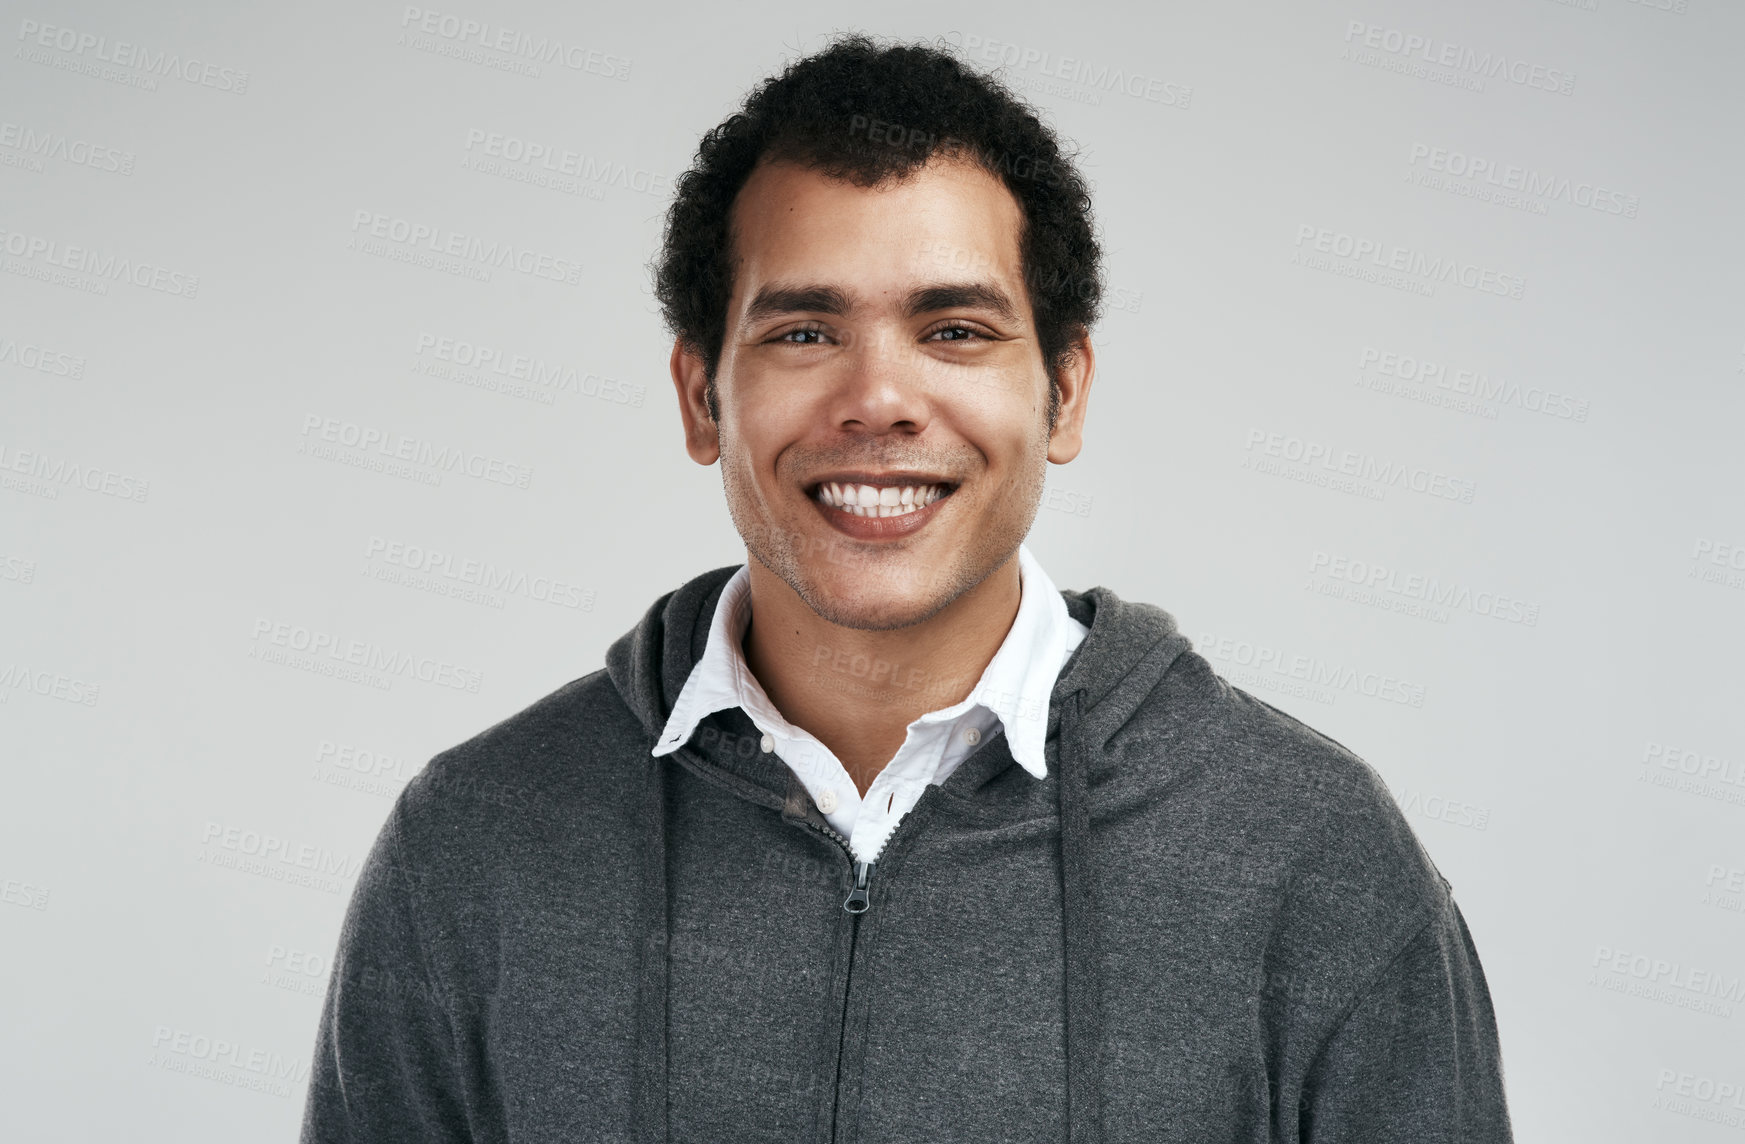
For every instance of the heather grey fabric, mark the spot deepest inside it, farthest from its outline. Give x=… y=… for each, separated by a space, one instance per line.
x=1209 y=923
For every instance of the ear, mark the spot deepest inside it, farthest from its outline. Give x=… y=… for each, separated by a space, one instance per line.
x=702 y=434
x=1076 y=374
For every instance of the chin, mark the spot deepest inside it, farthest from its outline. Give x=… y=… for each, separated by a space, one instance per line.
x=866 y=607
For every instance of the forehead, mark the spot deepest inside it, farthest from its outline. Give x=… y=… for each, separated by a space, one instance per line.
x=949 y=219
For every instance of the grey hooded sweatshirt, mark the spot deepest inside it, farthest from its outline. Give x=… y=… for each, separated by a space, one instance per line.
x=1208 y=923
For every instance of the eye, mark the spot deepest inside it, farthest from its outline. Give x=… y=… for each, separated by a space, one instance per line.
x=956 y=332
x=812 y=335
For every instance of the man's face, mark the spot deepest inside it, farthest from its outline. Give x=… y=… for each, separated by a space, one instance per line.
x=880 y=345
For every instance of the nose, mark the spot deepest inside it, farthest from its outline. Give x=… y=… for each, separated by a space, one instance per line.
x=882 y=389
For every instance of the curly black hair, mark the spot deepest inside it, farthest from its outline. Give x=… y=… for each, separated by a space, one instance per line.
x=866 y=114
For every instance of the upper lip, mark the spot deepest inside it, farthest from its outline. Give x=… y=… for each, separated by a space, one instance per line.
x=898 y=479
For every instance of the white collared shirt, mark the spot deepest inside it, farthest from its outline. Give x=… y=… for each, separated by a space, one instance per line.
x=1013 y=692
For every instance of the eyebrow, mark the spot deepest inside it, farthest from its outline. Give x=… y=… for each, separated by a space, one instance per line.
x=776 y=298
x=960 y=295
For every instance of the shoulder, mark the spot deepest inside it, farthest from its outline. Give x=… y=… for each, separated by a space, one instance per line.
x=1292 y=808
x=561 y=756
x=492 y=829
x=1319 y=774
x=1352 y=866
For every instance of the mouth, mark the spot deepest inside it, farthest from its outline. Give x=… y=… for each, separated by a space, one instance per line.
x=879 y=495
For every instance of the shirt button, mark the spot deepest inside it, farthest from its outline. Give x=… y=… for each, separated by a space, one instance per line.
x=827 y=801
x=768 y=742
x=972 y=736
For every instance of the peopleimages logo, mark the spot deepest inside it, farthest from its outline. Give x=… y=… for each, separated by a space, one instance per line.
x=1099 y=77
x=1701 y=1097
x=1524 y=180
x=97 y=266
x=1312 y=677
x=456 y=571
x=464 y=38
x=556 y=159
x=1709 y=990
x=24 y=895
x=294 y=970
x=362 y=770
x=1318 y=462
x=1478 y=385
x=1674 y=768
x=45 y=476
x=39 y=145
x=82 y=51
x=1389 y=257
x=17 y=569
x=1718 y=562
x=1395 y=590
x=1725 y=887
x=28 y=355
x=1429 y=51
x=271 y=848
x=438 y=248
x=1453 y=811
x=330 y=434
x=491 y=366
x=328 y=653
x=48 y=684
x=1694 y=763
x=226 y=1062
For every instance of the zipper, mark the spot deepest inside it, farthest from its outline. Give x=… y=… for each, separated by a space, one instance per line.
x=842 y=1031
x=857 y=903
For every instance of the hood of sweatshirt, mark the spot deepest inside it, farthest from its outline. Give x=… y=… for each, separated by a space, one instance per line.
x=1129 y=649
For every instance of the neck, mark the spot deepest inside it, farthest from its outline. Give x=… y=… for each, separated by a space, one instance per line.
x=857 y=691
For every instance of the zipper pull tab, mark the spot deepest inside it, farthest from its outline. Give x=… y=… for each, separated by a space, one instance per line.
x=858 y=901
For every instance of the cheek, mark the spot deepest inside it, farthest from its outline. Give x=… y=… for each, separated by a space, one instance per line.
x=755 y=445
x=1008 y=427
x=1001 y=398
x=773 y=406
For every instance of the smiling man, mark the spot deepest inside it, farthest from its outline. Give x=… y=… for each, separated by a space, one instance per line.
x=880 y=836
x=883 y=446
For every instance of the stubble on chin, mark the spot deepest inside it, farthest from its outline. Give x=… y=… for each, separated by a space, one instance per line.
x=900 y=597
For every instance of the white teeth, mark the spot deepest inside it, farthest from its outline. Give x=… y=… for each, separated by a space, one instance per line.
x=869 y=500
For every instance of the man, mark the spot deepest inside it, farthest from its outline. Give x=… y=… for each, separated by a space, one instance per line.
x=881 y=837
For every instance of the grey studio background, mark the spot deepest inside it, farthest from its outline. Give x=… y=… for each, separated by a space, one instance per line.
x=337 y=427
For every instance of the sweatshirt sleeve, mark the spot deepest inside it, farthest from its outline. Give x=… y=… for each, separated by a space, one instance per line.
x=385 y=1066
x=1415 y=1057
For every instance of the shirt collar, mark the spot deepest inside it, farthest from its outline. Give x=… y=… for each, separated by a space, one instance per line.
x=1015 y=686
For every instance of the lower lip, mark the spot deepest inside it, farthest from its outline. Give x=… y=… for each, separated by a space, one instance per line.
x=879 y=527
